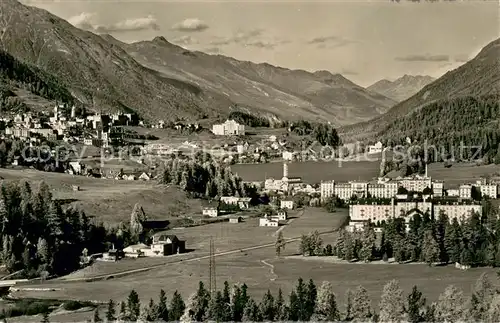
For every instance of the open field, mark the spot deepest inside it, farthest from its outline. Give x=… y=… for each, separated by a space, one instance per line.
x=311 y=172
x=109 y=200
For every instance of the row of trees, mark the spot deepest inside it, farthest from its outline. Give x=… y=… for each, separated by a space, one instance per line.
x=202 y=176
x=308 y=302
x=472 y=242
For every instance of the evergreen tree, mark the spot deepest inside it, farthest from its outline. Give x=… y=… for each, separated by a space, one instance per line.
x=177 y=307
x=281 y=311
x=123 y=312
x=361 y=308
x=111 y=311
x=392 y=303
x=267 y=307
x=482 y=296
x=251 y=312
x=415 y=305
x=312 y=293
x=150 y=313
x=133 y=306
x=280 y=243
x=161 y=308
x=326 y=307
x=349 y=297
x=96 y=317
x=201 y=302
x=294 y=307
x=226 y=294
x=367 y=244
x=451 y=305
x=219 y=310
x=430 y=248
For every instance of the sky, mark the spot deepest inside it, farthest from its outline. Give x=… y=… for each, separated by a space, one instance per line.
x=364 y=40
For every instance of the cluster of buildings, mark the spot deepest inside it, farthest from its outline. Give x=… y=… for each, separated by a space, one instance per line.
x=66 y=124
x=403 y=197
x=163 y=245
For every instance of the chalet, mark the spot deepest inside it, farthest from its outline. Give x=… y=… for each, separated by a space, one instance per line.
x=267 y=221
x=282 y=215
x=145 y=177
x=242 y=202
x=211 y=209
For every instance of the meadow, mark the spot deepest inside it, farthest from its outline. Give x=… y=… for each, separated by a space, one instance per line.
x=112 y=201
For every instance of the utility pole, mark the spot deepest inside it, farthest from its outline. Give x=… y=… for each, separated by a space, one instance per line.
x=212 y=286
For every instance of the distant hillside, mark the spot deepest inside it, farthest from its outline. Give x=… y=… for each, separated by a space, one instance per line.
x=473 y=121
x=21 y=83
x=402 y=88
x=480 y=76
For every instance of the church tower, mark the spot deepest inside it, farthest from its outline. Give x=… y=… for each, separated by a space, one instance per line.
x=285 y=170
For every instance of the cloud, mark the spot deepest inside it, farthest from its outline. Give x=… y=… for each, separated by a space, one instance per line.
x=190 y=25
x=250 y=38
x=86 y=21
x=423 y=58
x=330 y=42
x=185 y=41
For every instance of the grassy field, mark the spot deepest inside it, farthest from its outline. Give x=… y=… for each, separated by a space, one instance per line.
x=112 y=201
x=311 y=172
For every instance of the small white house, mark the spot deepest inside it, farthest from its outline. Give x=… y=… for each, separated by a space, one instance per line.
x=145 y=177
x=135 y=251
x=286 y=204
x=268 y=222
x=282 y=215
x=288 y=155
x=375 y=149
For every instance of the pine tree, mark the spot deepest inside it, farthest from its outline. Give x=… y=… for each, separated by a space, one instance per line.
x=311 y=295
x=482 y=296
x=177 y=307
x=226 y=298
x=280 y=243
x=133 y=306
x=392 y=303
x=251 y=312
x=162 y=308
x=361 y=308
x=267 y=307
x=110 y=311
x=281 y=308
x=415 y=305
x=218 y=309
x=294 y=307
x=201 y=303
x=96 y=318
x=326 y=307
x=151 y=312
x=349 y=296
x=430 y=248
x=367 y=245
x=451 y=305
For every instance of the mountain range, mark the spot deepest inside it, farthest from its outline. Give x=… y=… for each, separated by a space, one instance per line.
x=477 y=78
x=159 y=80
x=402 y=88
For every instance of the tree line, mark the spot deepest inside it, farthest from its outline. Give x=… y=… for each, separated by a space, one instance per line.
x=447 y=124
x=472 y=242
x=323 y=133
x=308 y=302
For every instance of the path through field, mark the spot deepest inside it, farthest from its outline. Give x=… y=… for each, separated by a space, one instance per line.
x=272 y=269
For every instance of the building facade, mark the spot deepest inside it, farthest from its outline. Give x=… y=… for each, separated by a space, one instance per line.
x=229 y=128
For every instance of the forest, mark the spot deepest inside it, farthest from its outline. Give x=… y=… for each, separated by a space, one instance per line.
x=203 y=177
x=308 y=302
x=448 y=124
x=32 y=79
